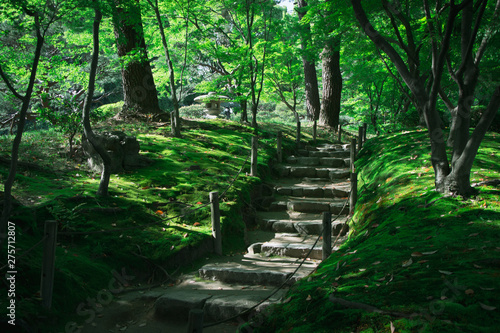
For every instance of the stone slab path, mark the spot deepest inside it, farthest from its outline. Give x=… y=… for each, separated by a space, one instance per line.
x=289 y=222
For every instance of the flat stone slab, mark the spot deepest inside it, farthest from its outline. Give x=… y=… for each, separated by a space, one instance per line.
x=177 y=304
x=256 y=270
x=218 y=300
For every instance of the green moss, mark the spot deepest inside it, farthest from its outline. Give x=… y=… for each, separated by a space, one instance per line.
x=410 y=250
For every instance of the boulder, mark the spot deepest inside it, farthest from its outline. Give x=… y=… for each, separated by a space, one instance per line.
x=123 y=149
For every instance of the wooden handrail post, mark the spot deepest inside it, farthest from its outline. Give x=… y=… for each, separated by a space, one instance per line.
x=353 y=153
x=279 y=151
x=340 y=133
x=315 y=127
x=354 y=192
x=48 y=263
x=216 y=232
x=195 y=321
x=327 y=234
x=360 y=137
x=298 y=135
x=253 y=160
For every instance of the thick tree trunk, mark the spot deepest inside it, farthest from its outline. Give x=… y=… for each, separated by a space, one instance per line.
x=332 y=85
x=139 y=90
x=313 y=104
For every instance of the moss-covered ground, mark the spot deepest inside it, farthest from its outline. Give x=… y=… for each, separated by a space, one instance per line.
x=151 y=214
x=429 y=262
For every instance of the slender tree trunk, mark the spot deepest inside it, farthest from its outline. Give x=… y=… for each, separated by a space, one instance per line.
x=87 y=129
x=176 y=123
x=313 y=104
x=139 y=90
x=332 y=84
x=7 y=205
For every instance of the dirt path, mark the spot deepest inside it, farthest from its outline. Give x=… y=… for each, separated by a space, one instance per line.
x=133 y=312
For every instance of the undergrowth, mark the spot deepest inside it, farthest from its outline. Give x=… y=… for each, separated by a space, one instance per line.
x=153 y=213
x=429 y=262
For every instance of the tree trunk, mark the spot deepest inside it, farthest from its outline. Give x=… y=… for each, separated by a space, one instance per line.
x=176 y=121
x=313 y=104
x=7 y=205
x=244 y=111
x=87 y=129
x=139 y=90
x=332 y=85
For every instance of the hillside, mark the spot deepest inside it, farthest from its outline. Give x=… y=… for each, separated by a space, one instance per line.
x=416 y=261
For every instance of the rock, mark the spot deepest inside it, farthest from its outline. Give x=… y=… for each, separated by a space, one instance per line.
x=123 y=149
x=177 y=304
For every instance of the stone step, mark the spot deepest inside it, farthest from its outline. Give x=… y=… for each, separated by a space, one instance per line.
x=295 y=246
x=218 y=300
x=253 y=269
x=310 y=205
x=306 y=224
x=325 y=153
x=331 y=162
x=312 y=172
x=312 y=191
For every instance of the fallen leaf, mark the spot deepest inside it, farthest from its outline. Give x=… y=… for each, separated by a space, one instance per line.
x=445 y=272
x=287 y=300
x=407 y=263
x=469 y=292
x=377 y=263
x=392 y=327
x=487 y=307
x=417 y=254
x=487 y=289
x=308 y=298
x=423 y=261
x=477 y=266
x=474 y=234
x=429 y=253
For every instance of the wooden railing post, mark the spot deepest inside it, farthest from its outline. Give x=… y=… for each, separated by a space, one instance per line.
x=48 y=263
x=327 y=234
x=253 y=160
x=340 y=133
x=216 y=233
x=298 y=135
x=354 y=192
x=279 y=151
x=353 y=153
x=195 y=321
x=360 y=137
x=315 y=127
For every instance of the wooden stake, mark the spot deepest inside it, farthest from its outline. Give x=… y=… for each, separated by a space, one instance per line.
x=354 y=192
x=195 y=323
x=253 y=165
x=353 y=153
x=327 y=234
x=216 y=233
x=48 y=264
x=279 y=151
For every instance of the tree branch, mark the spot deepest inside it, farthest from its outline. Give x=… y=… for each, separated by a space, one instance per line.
x=9 y=85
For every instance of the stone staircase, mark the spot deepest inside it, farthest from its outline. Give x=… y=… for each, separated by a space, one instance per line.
x=288 y=224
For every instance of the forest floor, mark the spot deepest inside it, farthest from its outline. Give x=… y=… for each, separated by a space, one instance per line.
x=152 y=216
x=411 y=253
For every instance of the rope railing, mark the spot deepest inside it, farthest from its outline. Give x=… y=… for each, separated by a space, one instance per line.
x=277 y=289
